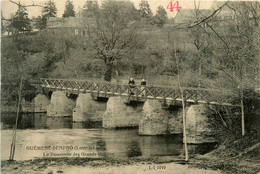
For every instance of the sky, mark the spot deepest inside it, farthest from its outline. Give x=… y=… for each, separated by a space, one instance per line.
x=9 y=8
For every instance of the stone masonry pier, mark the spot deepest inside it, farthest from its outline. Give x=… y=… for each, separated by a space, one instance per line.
x=40 y=103
x=88 y=109
x=37 y=105
x=60 y=105
x=198 y=126
x=151 y=119
x=118 y=114
x=154 y=119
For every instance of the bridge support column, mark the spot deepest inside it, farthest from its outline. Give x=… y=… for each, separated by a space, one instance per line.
x=40 y=103
x=27 y=106
x=37 y=105
x=154 y=119
x=60 y=105
x=118 y=114
x=87 y=109
x=198 y=126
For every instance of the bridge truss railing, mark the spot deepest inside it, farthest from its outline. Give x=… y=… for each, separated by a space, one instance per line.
x=193 y=95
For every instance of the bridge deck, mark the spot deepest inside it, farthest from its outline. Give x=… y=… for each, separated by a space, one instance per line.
x=192 y=95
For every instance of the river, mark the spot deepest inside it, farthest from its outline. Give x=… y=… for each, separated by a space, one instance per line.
x=40 y=136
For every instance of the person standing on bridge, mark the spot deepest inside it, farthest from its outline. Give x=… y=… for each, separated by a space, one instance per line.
x=143 y=84
x=131 y=84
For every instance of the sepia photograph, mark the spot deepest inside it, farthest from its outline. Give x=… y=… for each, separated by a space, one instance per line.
x=130 y=87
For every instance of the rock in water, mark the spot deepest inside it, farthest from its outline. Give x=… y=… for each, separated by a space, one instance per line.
x=118 y=114
x=154 y=119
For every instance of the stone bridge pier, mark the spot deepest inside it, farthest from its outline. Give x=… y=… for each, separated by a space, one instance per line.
x=151 y=119
x=157 y=121
x=118 y=114
x=40 y=103
x=60 y=105
x=199 y=127
x=154 y=119
x=37 y=105
x=84 y=109
x=87 y=109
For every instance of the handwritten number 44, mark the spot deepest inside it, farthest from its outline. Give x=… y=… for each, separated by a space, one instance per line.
x=172 y=6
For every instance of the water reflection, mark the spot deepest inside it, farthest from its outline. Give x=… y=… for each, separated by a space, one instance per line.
x=200 y=149
x=125 y=143
x=86 y=139
x=122 y=143
x=58 y=122
x=41 y=121
x=134 y=149
x=161 y=145
x=86 y=125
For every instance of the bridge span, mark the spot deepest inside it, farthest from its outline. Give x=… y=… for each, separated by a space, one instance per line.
x=136 y=93
x=151 y=117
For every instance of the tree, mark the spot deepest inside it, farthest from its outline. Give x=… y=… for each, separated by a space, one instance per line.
x=177 y=57
x=69 y=9
x=145 y=10
x=17 y=62
x=40 y=23
x=160 y=17
x=3 y=29
x=240 y=64
x=113 y=35
x=20 y=21
x=91 y=8
x=199 y=38
x=49 y=9
x=235 y=65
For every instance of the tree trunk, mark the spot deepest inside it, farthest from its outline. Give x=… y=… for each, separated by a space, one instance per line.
x=242 y=114
x=200 y=67
x=183 y=105
x=242 y=98
x=11 y=158
x=184 y=122
x=109 y=70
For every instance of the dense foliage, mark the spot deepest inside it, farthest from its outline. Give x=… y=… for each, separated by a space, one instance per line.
x=49 y=10
x=91 y=8
x=20 y=21
x=69 y=9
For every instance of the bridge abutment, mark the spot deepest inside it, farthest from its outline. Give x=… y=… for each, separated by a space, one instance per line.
x=198 y=126
x=118 y=114
x=60 y=105
x=88 y=109
x=154 y=119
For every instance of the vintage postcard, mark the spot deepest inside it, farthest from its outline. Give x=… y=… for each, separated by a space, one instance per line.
x=130 y=86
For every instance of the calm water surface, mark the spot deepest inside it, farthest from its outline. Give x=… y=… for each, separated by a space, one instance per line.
x=41 y=136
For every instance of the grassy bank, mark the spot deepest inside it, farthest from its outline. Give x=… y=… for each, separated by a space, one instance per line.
x=208 y=163
x=72 y=165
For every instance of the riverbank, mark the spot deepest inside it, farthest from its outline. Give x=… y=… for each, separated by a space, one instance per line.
x=76 y=165
x=202 y=164
x=227 y=165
